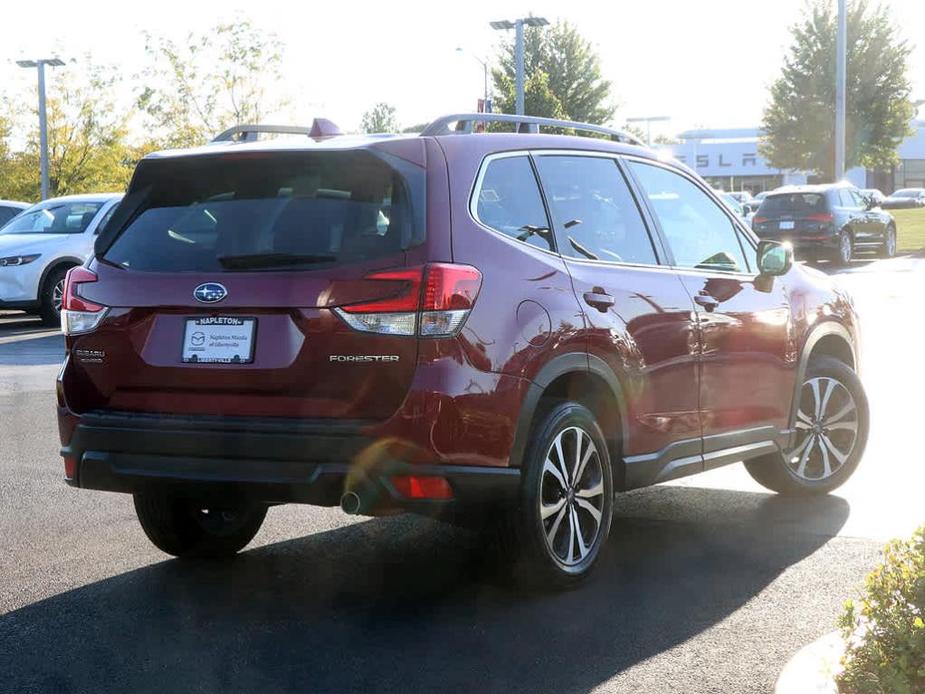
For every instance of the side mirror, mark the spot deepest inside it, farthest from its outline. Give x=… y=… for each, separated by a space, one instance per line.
x=774 y=258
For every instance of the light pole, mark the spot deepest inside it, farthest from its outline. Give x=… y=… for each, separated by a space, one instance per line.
x=484 y=64
x=648 y=120
x=518 y=26
x=43 y=120
x=841 y=70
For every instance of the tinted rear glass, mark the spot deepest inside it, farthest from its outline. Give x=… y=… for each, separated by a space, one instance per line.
x=792 y=203
x=257 y=211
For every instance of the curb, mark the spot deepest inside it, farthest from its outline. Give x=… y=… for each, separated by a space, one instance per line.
x=812 y=669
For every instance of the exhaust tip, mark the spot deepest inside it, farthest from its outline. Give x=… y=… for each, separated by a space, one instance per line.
x=350 y=503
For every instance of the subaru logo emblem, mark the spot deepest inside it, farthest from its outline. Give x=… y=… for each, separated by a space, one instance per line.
x=210 y=292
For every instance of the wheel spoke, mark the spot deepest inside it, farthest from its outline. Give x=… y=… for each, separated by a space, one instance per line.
x=817 y=399
x=826 y=463
x=582 y=549
x=848 y=408
x=561 y=456
x=807 y=449
x=579 y=436
x=591 y=492
x=547 y=510
x=571 y=535
x=591 y=450
x=554 y=530
x=590 y=508
x=846 y=426
x=556 y=474
x=829 y=387
x=839 y=456
x=804 y=421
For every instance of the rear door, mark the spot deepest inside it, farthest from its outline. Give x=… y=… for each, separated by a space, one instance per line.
x=747 y=345
x=225 y=279
x=638 y=312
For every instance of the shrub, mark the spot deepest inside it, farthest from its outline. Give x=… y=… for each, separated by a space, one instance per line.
x=885 y=630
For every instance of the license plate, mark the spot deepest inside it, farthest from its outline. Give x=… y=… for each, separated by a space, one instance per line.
x=785 y=225
x=219 y=340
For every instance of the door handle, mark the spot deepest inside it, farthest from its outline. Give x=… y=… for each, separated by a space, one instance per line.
x=599 y=299
x=707 y=302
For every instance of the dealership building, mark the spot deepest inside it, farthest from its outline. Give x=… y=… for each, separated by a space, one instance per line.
x=729 y=160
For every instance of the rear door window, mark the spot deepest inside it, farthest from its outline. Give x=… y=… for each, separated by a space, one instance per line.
x=258 y=210
x=508 y=200
x=594 y=212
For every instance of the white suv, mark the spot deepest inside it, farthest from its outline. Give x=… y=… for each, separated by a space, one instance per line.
x=39 y=245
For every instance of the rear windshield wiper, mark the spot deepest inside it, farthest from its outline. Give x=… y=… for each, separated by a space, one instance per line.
x=268 y=260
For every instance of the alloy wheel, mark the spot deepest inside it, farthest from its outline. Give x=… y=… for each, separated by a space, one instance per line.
x=890 y=242
x=844 y=248
x=827 y=427
x=57 y=295
x=571 y=496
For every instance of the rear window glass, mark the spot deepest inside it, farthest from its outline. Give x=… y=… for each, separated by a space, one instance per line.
x=792 y=203
x=55 y=218
x=256 y=211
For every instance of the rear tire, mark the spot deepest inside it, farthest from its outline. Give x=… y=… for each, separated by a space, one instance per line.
x=179 y=526
x=830 y=441
x=845 y=251
x=557 y=495
x=888 y=250
x=50 y=297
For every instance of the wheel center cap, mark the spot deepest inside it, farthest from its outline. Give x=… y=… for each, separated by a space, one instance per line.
x=571 y=496
x=817 y=428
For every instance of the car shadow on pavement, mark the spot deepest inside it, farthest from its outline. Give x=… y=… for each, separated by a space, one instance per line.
x=32 y=351
x=406 y=604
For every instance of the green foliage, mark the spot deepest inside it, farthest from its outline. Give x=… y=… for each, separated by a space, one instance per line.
x=562 y=76
x=885 y=631
x=799 y=120
x=211 y=81
x=380 y=119
x=87 y=149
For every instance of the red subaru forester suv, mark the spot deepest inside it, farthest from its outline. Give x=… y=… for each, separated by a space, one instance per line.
x=507 y=326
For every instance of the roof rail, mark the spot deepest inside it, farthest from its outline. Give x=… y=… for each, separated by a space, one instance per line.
x=523 y=124
x=321 y=127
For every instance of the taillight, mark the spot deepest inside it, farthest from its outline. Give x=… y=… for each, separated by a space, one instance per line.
x=825 y=218
x=432 y=301
x=78 y=315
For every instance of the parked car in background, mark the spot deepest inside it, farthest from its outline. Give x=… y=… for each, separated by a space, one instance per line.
x=39 y=246
x=733 y=202
x=506 y=328
x=756 y=201
x=905 y=198
x=9 y=209
x=826 y=221
x=874 y=195
x=743 y=197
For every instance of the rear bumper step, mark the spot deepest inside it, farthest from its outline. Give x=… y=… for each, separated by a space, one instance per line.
x=274 y=461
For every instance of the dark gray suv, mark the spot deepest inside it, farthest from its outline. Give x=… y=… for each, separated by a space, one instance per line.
x=826 y=221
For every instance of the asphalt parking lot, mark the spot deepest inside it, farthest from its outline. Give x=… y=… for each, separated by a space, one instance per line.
x=708 y=585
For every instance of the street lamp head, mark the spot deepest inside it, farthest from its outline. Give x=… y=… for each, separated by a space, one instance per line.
x=501 y=25
x=54 y=62
x=27 y=63
x=535 y=21
x=51 y=62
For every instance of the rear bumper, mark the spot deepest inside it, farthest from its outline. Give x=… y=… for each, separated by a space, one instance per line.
x=809 y=243
x=270 y=460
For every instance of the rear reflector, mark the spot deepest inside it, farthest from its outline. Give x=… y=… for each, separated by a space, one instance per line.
x=819 y=218
x=414 y=487
x=70 y=467
x=429 y=300
x=77 y=314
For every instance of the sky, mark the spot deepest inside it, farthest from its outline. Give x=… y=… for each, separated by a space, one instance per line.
x=704 y=64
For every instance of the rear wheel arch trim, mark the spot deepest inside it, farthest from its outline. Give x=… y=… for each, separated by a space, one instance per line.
x=573 y=362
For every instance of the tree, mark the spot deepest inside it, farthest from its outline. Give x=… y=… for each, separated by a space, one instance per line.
x=209 y=82
x=799 y=120
x=87 y=137
x=380 y=119
x=574 y=87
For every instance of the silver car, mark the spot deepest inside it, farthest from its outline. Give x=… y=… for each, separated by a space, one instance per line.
x=40 y=244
